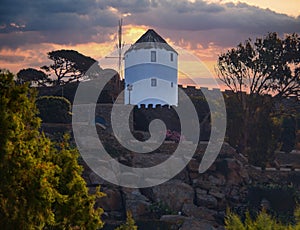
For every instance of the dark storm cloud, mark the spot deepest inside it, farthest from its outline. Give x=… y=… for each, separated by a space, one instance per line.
x=68 y=36
x=8 y=58
x=80 y=21
x=179 y=15
x=224 y=25
x=61 y=22
x=54 y=15
x=15 y=8
x=15 y=40
x=129 y=6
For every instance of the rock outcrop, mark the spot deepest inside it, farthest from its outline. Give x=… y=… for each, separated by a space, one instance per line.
x=188 y=201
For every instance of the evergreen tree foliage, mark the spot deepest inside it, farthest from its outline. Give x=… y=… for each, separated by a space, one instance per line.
x=262 y=222
x=129 y=224
x=54 y=109
x=41 y=185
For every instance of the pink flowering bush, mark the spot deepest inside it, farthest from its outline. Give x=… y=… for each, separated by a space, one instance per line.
x=173 y=136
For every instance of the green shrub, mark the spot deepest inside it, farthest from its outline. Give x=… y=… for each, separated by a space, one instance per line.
x=275 y=194
x=159 y=209
x=54 y=109
x=129 y=224
x=263 y=221
x=41 y=184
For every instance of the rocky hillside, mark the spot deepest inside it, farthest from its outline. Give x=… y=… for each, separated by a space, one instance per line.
x=188 y=201
x=191 y=200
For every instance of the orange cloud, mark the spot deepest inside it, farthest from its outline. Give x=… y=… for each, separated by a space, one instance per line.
x=35 y=56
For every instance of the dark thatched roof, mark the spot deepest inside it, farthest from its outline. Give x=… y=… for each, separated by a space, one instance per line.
x=151 y=36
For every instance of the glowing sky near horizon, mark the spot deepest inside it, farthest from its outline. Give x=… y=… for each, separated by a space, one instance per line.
x=289 y=7
x=205 y=28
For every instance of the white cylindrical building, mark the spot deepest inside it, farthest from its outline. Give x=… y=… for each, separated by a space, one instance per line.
x=151 y=75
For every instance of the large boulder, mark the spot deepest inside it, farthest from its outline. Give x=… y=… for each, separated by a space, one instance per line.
x=112 y=201
x=193 y=165
x=148 y=160
x=201 y=213
x=192 y=223
x=96 y=180
x=217 y=193
x=136 y=203
x=174 y=220
x=174 y=194
x=217 y=179
x=207 y=200
x=236 y=174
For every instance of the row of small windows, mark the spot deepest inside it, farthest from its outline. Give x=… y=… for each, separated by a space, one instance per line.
x=154 y=82
x=153 y=56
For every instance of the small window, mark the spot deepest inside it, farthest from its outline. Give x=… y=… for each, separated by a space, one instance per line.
x=153 y=82
x=171 y=56
x=153 y=56
x=172 y=84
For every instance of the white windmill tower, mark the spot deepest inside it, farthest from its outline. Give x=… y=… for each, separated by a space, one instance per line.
x=151 y=72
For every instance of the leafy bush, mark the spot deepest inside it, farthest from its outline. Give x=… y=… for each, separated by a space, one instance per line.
x=173 y=136
x=41 y=184
x=129 y=224
x=159 y=209
x=263 y=221
x=275 y=194
x=54 y=109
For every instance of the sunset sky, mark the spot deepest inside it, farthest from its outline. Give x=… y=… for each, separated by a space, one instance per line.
x=30 y=29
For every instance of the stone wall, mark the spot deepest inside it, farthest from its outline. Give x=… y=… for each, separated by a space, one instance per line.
x=189 y=199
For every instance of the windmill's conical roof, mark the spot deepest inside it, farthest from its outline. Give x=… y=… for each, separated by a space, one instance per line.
x=151 y=36
x=149 y=40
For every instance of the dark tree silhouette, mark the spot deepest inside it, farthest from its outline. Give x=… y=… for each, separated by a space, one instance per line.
x=268 y=65
x=33 y=76
x=252 y=70
x=68 y=65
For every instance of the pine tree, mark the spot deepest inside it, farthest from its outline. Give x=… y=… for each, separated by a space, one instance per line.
x=129 y=224
x=41 y=186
